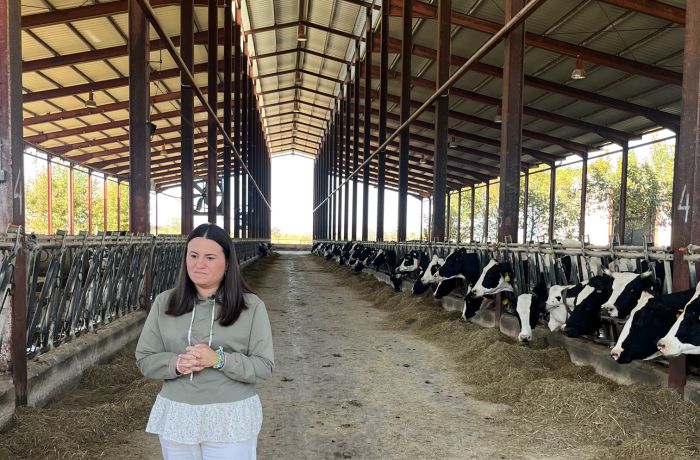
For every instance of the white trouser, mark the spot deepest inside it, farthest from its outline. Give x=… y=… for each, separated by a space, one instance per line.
x=209 y=450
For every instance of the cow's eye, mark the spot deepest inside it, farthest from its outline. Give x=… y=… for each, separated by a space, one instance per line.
x=558 y=298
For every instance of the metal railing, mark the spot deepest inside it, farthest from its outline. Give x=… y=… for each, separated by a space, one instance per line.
x=76 y=284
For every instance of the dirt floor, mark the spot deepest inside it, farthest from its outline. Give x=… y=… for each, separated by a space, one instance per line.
x=363 y=372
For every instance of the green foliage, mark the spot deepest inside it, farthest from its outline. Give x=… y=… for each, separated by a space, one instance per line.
x=37 y=201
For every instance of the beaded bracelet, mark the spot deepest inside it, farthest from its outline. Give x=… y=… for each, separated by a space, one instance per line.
x=220 y=358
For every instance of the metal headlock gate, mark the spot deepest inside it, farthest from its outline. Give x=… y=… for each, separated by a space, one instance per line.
x=76 y=284
x=530 y=260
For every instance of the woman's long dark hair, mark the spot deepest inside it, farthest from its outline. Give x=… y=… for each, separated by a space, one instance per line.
x=230 y=293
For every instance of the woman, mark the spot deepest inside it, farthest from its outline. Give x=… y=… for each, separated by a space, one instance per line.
x=209 y=340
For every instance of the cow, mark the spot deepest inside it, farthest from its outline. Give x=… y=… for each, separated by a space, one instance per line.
x=355 y=253
x=560 y=302
x=412 y=262
x=648 y=322
x=345 y=252
x=684 y=335
x=364 y=258
x=458 y=266
x=529 y=307
x=425 y=279
x=627 y=288
x=264 y=249
x=585 y=317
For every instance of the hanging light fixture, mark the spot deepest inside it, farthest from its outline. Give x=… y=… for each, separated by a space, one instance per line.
x=497 y=118
x=453 y=143
x=91 y=100
x=301 y=34
x=579 y=73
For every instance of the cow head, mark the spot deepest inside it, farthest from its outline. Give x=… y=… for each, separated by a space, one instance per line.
x=626 y=291
x=529 y=307
x=684 y=336
x=495 y=277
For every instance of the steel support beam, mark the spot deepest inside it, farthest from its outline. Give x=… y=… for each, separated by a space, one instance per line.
x=383 y=91
x=368 y=111
x=685 y=228
x=228 y=45
x=442 y=107
x=187 y=118
x=212 y=96
x=139 y=123
x=511 y=130
x=405 y=108
x=237 y=67
x=12 y=208
x=623 y=192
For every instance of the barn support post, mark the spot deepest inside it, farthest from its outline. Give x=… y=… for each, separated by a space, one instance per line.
x=12 y=208
x=139 y=124
x=442 y=107
x=552 y=200
x=49 y=200
x=685 y=227
x=486 y=213
x=526 y=203
x=368 y=117
x=71 y=201
x=430 y=219
x=119 y=204
x=333 y=150
x=623 y=191
x=336 y=171
x=245 y=141
x=584 y=191
x=420 y=238
x=89 y=201
x=228 y=44
x=383 y=89
x=511 y=127
x=459 y=216
x=236 y=123
x=348 y=112
x=356 y=138
x=404 y=140
x=342 y=228
x=212 y=94
x=471 y=224
x=187 y=118
x=448 y=216
x=105 y=219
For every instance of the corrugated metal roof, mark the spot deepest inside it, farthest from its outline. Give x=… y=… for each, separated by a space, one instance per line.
x=591 y=25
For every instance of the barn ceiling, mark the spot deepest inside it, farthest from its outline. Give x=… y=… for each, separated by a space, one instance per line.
x=632 y=52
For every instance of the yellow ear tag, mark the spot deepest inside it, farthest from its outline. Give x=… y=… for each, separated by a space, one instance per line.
x=507 y=277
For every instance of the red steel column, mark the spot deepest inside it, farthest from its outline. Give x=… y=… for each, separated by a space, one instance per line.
x=187 y=118
x=383 y=89
x=139 y=127
x=405 y=136
x=442 y=106
x=12 y=186
x=511 y=128
x=237 y=123
x=685 y=227
x=212 y=96
x=228 y=26
x=367 y=124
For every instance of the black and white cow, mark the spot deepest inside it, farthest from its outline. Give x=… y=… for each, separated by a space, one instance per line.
x=345 y=252
x=627 y=288
x=460 y=266
x=585 y=317
x=648 y=322
x=264 y=249
x=684 y=335
x=413 y=262
x=364 y=258
x=355 y=253
x=426 y=279
x=529 y=307
x=560 y=302
x=495 y=277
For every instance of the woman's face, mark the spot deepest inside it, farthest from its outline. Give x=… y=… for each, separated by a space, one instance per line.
x=206 y=263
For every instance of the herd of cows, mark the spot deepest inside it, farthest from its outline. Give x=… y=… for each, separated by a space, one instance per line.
x=656 y=324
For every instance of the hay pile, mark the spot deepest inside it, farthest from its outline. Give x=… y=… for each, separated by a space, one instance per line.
x=552 y=400
x=113 y=401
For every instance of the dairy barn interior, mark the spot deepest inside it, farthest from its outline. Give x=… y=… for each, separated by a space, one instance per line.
x=540 y=304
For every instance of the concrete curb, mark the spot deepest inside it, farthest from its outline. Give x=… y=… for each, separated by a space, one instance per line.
x=60 y=370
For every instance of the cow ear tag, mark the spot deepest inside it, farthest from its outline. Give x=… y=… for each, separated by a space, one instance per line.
x=507 y=277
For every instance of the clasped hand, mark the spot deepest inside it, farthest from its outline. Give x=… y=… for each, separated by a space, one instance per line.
x=196 y=358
